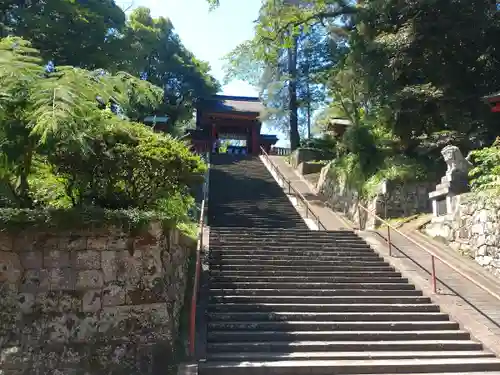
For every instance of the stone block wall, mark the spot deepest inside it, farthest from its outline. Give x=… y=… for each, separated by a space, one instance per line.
x=343 y=199
x=309 y=167
x=91 y=303
x=473 y=229
x=402 y=200
x=407 y=199
x=302 y=155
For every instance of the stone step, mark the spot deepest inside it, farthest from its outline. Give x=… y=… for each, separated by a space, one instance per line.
x=215 y=272
x=326 y=367
x=243 y=357
x=391 y=285
x=291 y=246
x=313 y=292
x=256 y=207
x=293 y=260
x=342 y=346
x=280 y=231
x=447 y=373
x=323 y=307
x=304 y=299
x=287 y=241
x=289 y=236
x=260 y=221
x=291 y=336
x=280 y=234
x=300 y=268
x=306 y=240
x=342 y=255
x=332 y=326
x=310 y=278
x=353 y=316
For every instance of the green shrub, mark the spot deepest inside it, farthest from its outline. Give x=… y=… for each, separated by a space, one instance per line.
x=126 y=166
x=485 y=175
x=361 y=141
x=366 y=158
x=81 y=218
x=347 y=171
x=47 y=189
x=398 y=168
x=324 y=143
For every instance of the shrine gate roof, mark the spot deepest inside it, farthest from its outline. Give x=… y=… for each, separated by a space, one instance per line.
x=492 y=97
x=235 y=104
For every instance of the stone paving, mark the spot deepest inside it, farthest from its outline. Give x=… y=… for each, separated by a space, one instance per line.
x=476 y=310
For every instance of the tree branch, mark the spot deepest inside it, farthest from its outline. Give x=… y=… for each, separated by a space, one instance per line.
x=319 y=17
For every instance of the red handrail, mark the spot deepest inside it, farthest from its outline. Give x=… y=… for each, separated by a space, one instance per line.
x=433 y=255
x=196 y=284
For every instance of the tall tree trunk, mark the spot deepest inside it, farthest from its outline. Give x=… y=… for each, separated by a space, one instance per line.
x=292 y=91
x=308 y=111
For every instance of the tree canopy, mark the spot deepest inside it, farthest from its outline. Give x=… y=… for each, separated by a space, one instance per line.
x=139 y=44
x=427 y=63
x=70 y=112
x=409 y=75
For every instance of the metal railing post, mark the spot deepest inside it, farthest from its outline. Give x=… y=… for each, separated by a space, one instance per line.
x=434 y=281
x=389 y=243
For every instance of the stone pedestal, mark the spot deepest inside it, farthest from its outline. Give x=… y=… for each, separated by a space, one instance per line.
x=442 y=198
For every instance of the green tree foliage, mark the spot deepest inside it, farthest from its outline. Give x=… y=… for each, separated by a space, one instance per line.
x=430 y=63
x=78 y=33
x=127 y=165
x=62 y=117
x=486 y=172
x=95 y=34
x=293 y=60
x=158 y=53
x=409 y=75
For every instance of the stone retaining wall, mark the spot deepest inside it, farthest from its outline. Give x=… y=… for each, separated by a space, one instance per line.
x=403 y=200
x=407 y=199
x=473 y=229
x=345 y=200
x=309 y=168
x=91 y=303
x=304 y=155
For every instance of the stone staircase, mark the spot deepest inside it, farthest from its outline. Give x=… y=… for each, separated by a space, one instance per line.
x=244 y=194
x=286 y=300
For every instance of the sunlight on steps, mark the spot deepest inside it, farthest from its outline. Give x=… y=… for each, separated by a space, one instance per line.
x=283 y=299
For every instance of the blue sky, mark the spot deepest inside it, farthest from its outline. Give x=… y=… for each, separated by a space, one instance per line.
x=212 y=35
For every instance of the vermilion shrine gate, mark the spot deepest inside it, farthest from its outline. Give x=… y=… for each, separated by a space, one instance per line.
x=232 y=118
x=494 y=101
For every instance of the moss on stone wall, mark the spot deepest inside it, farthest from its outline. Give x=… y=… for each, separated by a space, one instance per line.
x=81 y=294
x=86 y=218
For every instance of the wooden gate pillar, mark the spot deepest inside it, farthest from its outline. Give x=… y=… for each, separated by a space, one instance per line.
x=255 y=141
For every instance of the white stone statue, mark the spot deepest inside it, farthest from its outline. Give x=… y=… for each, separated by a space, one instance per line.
x=455 y=161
